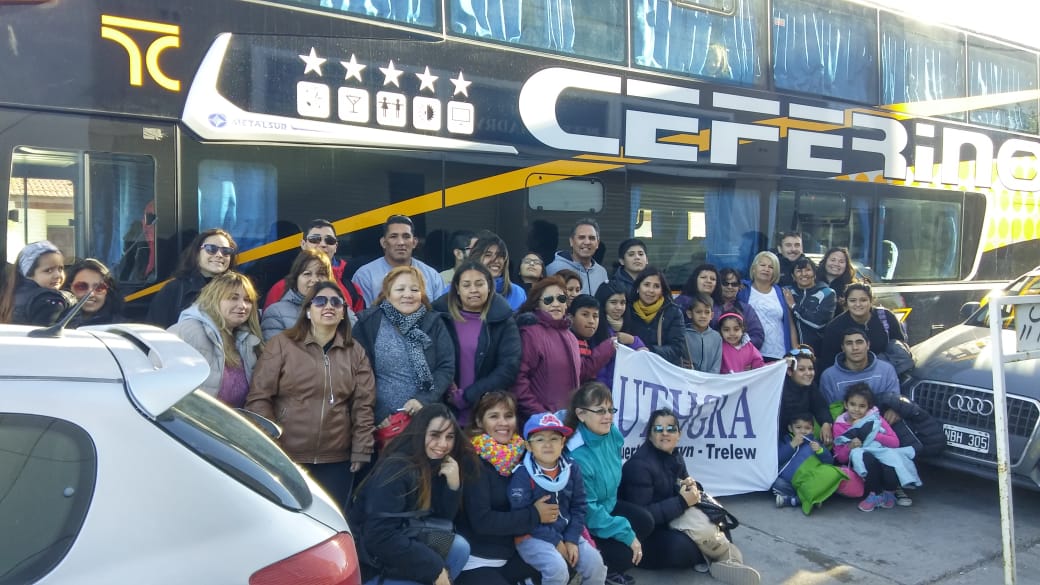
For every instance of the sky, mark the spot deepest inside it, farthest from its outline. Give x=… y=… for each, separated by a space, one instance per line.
x=1014 y=20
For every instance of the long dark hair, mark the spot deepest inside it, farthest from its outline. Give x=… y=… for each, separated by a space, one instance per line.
x=843 y=279
x=666 y=291
x=298 y=332
x=406 y=454
x=455 y=301
x=603 y=294
x=690 y=287
x=189 y=261
x=485 y=240
x=114 y=300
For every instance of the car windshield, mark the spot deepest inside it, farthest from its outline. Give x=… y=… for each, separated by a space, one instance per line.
x=238 y=448
x=1028 y=284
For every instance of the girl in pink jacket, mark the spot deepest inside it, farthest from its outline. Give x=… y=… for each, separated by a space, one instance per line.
x=738 y=353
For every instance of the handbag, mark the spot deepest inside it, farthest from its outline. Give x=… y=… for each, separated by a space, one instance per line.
x=436 y=533
x=718 y=515
x=398 y=423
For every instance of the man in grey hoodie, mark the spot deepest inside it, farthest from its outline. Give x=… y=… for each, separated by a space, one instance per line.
x=584 y=243
x=856 y=363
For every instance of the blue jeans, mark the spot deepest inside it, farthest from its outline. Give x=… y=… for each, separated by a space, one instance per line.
x=544 y=557
x=457 y=557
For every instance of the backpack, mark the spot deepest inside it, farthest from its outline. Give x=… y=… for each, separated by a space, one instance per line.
x=896 y=351
x=917 y=429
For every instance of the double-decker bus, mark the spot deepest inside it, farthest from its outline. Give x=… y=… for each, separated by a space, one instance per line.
x=704 y=127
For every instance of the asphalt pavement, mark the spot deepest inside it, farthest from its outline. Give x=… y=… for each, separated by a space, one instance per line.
x=950 y=536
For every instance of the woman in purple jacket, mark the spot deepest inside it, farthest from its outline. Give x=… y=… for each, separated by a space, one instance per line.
x=550 y=365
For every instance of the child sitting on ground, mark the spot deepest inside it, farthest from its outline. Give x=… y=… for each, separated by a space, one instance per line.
x=738 y=353
x=552 y=548
x=703 y=344
x=864 y=440
x=807 y=476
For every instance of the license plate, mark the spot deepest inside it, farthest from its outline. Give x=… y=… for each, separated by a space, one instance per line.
x=968 y=439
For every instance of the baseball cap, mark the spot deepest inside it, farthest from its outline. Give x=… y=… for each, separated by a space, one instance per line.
x=545 y=421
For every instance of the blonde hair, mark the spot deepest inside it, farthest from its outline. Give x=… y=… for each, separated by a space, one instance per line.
x=391 y=276
x=773 y=260
x=219 y=289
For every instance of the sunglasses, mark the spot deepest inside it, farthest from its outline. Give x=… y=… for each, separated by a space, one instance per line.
x=666 y=429
x=84 y=287
x=600 y=411
x=548 y=300
x=336 y=302
x=731 y=284
x=213 y=249
x=317 y=239
x=801 y=351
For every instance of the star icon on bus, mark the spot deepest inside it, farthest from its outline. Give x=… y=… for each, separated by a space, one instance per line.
x=461 y=85
x=427 y=80
x=353 y=68
x=312 y=62
x=391 y=74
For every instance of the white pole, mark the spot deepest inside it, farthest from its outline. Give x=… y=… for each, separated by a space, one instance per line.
x=1007 y=525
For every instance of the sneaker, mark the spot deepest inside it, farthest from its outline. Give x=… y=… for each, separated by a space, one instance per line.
x=869 y=503
x=620 y=579
x=888 y=500
x=701 y=567
x=781 y=501
x=734 y=573
x=902 y=499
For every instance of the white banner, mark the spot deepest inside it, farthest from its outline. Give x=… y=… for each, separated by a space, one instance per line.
x=728 y=423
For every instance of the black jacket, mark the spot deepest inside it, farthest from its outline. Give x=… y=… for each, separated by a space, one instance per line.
x=486 y=520
x=498 y=349
x=672 y=346
x=36 y=305
x=878 y=338
x=175 y=296
x=650 y=479
x=440 y=352
x=803 y=399
x=389 y=490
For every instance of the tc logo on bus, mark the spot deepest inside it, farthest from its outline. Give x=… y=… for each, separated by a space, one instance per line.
x=808 y=128
x=170 y=38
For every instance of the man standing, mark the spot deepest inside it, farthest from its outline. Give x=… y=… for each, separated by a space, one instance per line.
x=790 y=249
x=398 y=243
x=584 y=243
x=320 y=235
x=461 y=243
x=855 y=364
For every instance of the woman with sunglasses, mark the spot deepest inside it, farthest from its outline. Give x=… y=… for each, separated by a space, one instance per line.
x=655 y=478
x=223 y=325
x=802 y=393
x=317 y=383
x=106 y=304
x=550 y=364
x=619 y=528
x=730 y=285
x=309 y=268
x=408 y=344
x=212 y=252
x=487 y=343
x=653 y=317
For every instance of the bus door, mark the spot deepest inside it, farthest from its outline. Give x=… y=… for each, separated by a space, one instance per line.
x=95 y=187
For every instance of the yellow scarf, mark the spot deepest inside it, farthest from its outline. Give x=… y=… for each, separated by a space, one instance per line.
x=647 y=312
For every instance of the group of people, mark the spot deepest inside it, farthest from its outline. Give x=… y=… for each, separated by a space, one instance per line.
x=399 y=358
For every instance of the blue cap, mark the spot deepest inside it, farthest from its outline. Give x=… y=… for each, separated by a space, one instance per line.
x=546 y=421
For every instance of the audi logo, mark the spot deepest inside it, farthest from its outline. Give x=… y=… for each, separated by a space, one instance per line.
x=970 y=405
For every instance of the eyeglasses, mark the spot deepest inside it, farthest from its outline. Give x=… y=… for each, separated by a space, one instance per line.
x=548 y=300
x=734 y=284
x=213 y=249
x=317 y=239
x=531 y=262
x=600 y=411
x=666 y=429
x=336 y=302
x=807 y=352
x=84 y=287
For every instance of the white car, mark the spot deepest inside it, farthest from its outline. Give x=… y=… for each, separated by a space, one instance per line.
x=114 y=469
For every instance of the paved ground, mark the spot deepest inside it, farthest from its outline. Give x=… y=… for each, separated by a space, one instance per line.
x=950 y=536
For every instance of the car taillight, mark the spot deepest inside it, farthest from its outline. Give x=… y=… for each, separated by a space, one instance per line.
x=333 y=562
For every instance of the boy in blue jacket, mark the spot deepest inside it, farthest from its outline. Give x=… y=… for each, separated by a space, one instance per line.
x=552 y=548
x=807 y=475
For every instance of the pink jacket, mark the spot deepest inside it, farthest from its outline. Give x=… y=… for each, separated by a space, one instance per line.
x=887 y=438
x=740 y=359
x=550 y=365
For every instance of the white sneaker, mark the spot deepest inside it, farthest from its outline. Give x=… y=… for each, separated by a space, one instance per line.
x=701 y=567
x=902 y=499
x=734 y=573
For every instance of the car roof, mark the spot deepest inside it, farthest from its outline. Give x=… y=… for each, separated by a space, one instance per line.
x=157 y=368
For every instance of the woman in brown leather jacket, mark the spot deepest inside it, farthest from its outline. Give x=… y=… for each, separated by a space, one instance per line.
x=316 y=382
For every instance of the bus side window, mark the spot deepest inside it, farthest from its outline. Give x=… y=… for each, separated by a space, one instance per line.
x=240 y=197
x=122 y=215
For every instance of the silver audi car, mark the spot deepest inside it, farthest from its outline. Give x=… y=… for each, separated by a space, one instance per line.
x=953 y=381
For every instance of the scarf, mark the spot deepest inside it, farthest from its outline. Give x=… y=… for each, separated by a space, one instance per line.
x=503 y=458
x=545 y=482
x=647 y=312
x=415 y=338
x=615 y=325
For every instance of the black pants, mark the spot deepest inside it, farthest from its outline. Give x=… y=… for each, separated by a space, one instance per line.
x=514 y=571
x=336 y=478
x=880 y=477
x=665 y=548
x=616 y=554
